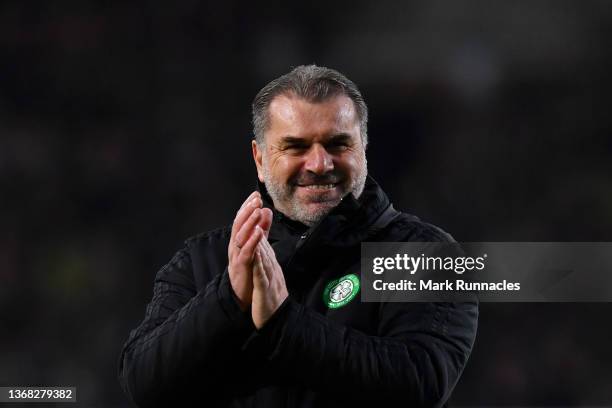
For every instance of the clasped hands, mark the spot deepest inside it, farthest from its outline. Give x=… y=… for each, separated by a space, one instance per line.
x=255 y=275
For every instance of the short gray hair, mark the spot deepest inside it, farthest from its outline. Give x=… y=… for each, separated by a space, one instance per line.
x=314 y=84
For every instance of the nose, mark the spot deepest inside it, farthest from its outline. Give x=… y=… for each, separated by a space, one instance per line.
x=318 y=160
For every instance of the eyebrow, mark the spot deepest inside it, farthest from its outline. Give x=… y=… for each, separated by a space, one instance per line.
x=286 y=140
x=338 y=137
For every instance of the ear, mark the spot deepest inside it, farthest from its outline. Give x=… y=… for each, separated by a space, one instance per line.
x=258 y=158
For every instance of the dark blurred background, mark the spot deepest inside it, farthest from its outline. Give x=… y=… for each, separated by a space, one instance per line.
x=125 y=129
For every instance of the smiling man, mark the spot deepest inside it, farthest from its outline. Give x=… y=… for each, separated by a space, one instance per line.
x=266 y=312
x=312 y=156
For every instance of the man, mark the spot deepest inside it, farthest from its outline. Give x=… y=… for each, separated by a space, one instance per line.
x=264 y=313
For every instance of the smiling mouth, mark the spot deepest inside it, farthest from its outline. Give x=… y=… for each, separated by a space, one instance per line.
x=319 y=186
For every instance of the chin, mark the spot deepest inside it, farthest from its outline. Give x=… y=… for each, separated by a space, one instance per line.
x=310 y=214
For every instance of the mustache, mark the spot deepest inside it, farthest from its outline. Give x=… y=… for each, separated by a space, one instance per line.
x=310 y=178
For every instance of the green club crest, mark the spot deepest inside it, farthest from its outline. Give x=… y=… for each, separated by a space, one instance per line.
x=339 y=292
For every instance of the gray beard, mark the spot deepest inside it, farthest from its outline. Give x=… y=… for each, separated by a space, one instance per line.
x=281 y=193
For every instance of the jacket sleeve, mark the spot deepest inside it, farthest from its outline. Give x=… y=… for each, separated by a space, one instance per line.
x=418 y=353
x=186 y=336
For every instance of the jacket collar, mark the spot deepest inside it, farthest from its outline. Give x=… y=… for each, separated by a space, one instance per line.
x=347 y=224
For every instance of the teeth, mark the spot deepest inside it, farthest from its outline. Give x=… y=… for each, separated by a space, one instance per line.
x=320 y=186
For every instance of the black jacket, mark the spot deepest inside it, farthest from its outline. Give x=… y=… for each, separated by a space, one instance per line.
x=196 y=347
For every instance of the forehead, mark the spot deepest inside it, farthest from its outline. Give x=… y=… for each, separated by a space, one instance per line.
x=291 y=115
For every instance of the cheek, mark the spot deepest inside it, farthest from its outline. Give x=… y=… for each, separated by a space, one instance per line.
x=285 y=167
x=351 y=162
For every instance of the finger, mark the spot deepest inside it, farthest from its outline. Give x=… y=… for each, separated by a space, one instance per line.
x=260 y=280
x=265 y=258
x=247 y=228
x=245 y=211
x=241 y=217
x=272 y=262
x=269 y=251
x=265 y=221
x=248 y=250
x=253 y=195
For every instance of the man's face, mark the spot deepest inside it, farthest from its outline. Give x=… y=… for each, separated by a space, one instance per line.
x=313 y=156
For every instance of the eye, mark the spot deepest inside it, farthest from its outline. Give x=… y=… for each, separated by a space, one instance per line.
x=296 y=148
x=337 y=146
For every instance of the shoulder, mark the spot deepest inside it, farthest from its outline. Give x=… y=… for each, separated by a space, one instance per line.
x=219 y=235
x=204 y=250
x=208 y=251
x=409 y=228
